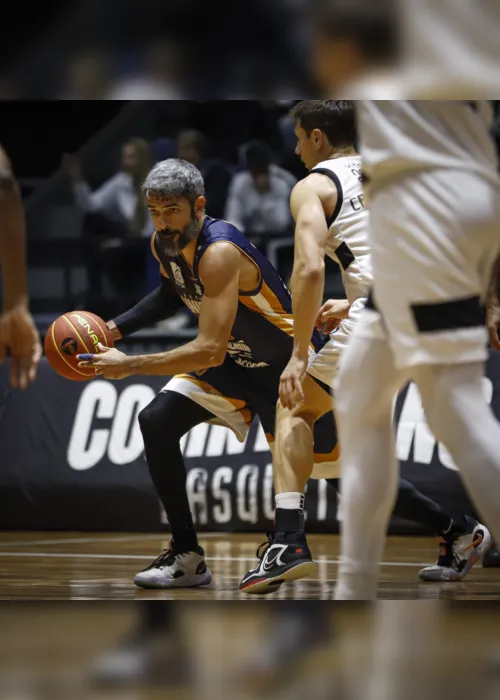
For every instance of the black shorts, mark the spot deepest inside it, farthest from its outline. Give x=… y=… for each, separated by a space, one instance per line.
x=235 y=395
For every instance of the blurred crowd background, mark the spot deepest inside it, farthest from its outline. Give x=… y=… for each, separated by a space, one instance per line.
x=187 y=49
x=81 y=168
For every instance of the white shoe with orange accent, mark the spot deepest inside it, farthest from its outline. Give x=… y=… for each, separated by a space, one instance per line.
x=458 y=553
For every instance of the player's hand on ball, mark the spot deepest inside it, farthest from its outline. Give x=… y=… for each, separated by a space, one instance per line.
x=331 y=313
x=291 y=391
x=109 y=362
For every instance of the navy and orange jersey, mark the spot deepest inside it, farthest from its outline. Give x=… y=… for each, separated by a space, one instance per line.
x=262 y=333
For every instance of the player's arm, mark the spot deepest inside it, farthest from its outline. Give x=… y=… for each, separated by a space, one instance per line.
x=220 y=272
x=148 y=311
x=12 y=238
x=308 y=276
x=18 y=332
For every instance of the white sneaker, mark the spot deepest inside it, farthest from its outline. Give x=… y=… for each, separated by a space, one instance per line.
x=175 y=570
x=458 y=553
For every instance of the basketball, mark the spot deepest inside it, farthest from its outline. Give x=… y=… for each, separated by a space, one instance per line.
x=70 y=335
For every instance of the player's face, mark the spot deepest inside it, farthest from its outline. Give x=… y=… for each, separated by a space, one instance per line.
x=305 y=148
x=177 y=221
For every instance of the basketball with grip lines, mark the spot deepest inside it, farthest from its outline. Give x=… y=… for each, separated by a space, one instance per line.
x=70 y=335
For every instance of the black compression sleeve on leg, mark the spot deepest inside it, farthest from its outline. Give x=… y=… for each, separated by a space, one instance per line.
x=163 y=422
x=413 y=505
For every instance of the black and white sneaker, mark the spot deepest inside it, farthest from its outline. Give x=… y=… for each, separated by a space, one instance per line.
x=492 y=557
x=285 y=557
x=458 y=553
x=174 y=569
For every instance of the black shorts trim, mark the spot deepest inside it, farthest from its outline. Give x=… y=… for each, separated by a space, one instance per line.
x=468 y=312
x=324 y=386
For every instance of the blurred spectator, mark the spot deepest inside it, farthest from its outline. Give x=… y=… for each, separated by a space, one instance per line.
x=192 y=146
x=258 y=201
x=117 y=222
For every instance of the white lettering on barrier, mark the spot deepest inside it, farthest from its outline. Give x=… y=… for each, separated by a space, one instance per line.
x=87 y=445
x=413 y=430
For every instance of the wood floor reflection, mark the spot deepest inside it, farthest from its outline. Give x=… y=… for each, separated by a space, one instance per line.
x=100 y=566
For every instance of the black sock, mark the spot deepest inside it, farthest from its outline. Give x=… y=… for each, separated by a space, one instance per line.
x=413 y=505
x=163 y=422
x=287 y=520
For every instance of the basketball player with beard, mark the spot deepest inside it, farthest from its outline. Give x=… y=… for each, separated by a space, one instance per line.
x=227 y=375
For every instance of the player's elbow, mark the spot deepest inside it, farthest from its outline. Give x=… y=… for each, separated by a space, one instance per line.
x=215 y=353
x=311 y=270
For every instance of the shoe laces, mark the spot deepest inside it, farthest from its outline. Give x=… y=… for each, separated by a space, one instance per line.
x=447 y=557
x=262 y=548
x=166 y=558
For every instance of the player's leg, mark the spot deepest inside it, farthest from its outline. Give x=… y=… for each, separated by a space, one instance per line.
x=186 y=401
x=453 y=533
x=294 y=441
x=435 y=321
x=413 y=505
x=163 y=423
x=458 y=415
x=367 y=383
x=288 y=558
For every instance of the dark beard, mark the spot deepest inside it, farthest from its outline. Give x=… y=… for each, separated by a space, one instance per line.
x=173 y=241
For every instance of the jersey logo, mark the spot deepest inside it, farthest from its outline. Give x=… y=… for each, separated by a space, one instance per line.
x=178 y=274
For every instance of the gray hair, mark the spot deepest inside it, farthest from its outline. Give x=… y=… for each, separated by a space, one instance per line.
x=174 y=178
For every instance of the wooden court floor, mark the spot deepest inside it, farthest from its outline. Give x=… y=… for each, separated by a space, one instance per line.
x=100 y=566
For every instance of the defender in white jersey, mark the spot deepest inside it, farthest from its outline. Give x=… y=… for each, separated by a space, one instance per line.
x=434 y=238
x=331 y=219
x=347 y=245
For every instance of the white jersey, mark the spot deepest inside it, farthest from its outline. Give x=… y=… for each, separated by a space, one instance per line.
x=449 y=49
x=399 y=137
x=348 y=240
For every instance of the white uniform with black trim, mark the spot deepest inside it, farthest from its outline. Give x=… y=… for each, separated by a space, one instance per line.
x=348 y=246
x=434 y=226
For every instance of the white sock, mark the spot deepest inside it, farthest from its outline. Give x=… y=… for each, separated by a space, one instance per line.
x=364 y=396
x=458 y=415
x=290 y=501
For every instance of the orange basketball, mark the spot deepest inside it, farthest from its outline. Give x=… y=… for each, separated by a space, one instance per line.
x=70 y=335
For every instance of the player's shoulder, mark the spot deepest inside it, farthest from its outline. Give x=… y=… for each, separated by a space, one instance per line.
x=220 y=259
x=219 y=228
x=313 y=185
